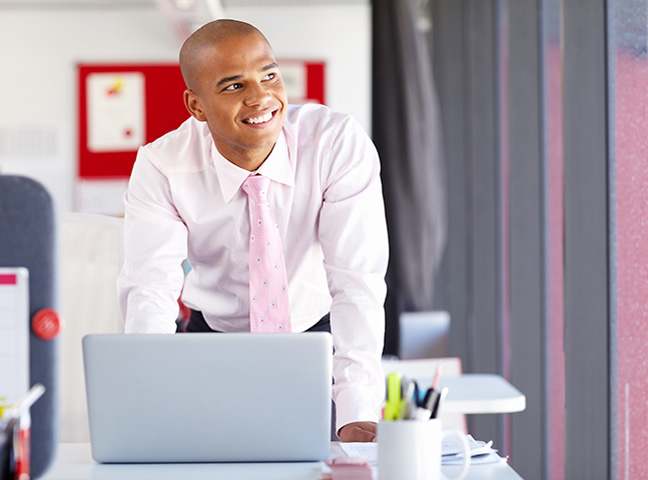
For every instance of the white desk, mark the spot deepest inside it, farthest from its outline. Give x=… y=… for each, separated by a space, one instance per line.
x=74 y=462
x=480 y=393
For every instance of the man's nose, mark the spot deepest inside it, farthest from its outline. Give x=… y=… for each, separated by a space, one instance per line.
x=256 y=94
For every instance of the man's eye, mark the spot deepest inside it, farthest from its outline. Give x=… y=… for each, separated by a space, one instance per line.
x=234 y=86
x=270 y=76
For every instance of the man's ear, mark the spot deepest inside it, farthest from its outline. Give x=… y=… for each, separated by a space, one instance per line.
x=194 y=105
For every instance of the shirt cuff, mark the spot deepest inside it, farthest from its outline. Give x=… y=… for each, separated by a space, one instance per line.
x=355 y=405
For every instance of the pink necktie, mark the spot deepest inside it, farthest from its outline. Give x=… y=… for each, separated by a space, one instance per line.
x=269 y=306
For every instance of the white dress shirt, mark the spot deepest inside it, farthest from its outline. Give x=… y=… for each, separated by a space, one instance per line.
x=184 y=201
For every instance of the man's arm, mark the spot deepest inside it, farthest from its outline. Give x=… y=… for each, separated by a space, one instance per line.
x=353 y=235
x=155 y=244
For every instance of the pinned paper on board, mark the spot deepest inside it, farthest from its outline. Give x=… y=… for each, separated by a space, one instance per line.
x=116 y=111
x=304 y=80
x=14 y=334
x=294 y=77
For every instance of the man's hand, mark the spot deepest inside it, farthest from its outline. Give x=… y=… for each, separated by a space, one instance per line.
x=358 y=432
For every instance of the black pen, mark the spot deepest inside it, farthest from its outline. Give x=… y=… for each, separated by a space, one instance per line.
x=431 y=401
x=440 y=399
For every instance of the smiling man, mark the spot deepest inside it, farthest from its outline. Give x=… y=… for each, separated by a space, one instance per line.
x=316 y=179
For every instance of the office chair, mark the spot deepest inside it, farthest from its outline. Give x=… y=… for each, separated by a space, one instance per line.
x=28 y=239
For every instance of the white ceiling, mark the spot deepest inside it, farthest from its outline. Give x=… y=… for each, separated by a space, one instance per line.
x=183 y=16
x=151 y=3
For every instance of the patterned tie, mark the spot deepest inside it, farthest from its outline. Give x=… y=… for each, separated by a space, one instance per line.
x=269 y=306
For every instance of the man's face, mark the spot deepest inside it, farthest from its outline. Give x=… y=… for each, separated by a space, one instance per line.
x=239 y=92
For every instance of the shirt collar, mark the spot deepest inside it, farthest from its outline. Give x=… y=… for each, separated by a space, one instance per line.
x=277 y=167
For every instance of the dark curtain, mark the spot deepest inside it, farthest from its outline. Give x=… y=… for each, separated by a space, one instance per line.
x=406 y=131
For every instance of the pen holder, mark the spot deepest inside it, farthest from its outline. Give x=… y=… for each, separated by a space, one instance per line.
x=411 y=449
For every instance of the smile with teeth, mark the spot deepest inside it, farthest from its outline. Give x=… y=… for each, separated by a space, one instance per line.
x=262 y=119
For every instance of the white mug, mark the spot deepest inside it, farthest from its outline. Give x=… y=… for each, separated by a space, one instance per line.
x=411 y=449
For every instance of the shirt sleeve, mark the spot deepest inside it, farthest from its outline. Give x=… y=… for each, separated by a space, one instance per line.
x=155 y=244
x=353 y=234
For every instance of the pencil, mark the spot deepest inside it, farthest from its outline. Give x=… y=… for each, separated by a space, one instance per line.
x=437 y=375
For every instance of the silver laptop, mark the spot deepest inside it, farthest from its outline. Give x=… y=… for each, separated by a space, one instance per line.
x=198 y=397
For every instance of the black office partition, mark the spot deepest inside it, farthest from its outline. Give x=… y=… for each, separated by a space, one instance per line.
x=28 y=239
x=587 y=295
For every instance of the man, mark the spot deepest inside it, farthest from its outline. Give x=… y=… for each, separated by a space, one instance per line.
x=187 y=198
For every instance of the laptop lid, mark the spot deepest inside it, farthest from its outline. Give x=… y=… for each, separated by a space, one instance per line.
x=196 y=397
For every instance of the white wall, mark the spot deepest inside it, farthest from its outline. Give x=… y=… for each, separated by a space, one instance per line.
x=39 y=49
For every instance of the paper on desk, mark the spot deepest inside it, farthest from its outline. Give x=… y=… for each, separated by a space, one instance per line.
x=369 y=450
x=482 y=459
x=481 y=452
x=452 y=446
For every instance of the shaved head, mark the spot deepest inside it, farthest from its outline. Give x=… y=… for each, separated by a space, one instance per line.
x=234 y=84
x=208 y=36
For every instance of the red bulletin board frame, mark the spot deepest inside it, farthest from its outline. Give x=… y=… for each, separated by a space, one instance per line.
x=164 y=111
x=315 y=88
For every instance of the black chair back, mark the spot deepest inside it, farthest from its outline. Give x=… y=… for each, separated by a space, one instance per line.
x=28 y=239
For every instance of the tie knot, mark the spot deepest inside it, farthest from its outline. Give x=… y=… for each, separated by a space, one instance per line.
x=256 y=187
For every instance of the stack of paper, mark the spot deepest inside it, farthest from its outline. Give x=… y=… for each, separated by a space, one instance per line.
x=480 y=452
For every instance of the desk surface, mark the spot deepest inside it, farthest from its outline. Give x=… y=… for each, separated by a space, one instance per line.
x=480 y=393
x=74 y=462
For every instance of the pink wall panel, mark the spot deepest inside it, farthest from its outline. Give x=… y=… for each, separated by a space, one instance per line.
x=631 y=149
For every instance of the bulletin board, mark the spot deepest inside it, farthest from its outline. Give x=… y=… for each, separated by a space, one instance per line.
x=123 y=106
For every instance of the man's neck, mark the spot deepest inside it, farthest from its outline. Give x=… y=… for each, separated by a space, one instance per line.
x=249 y=164
x=249 y=160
